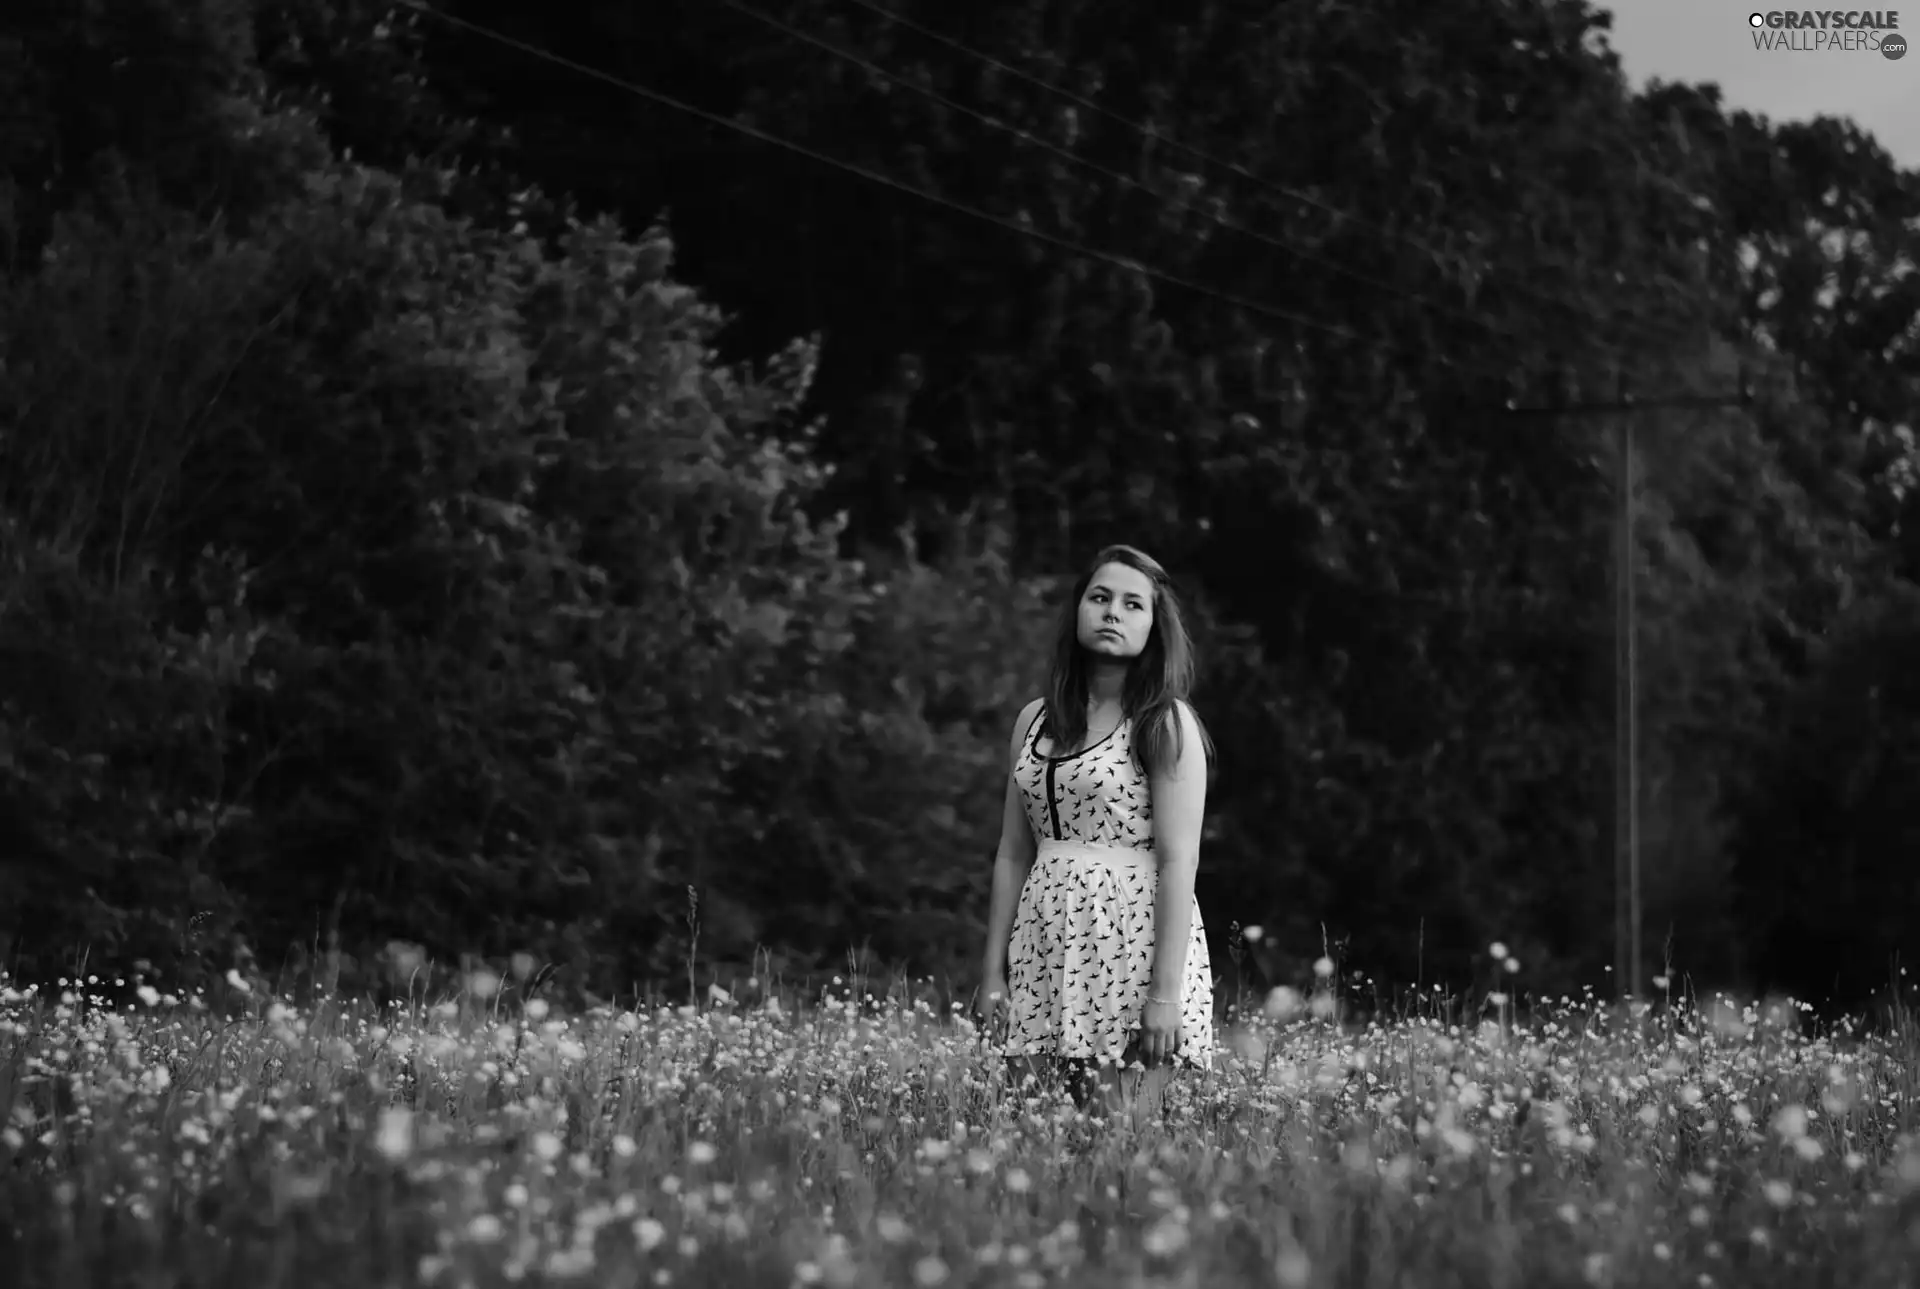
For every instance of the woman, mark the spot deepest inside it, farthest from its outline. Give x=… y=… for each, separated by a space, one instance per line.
x=1096 y=958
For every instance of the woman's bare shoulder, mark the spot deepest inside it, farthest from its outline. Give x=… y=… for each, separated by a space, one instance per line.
x=1024 y=722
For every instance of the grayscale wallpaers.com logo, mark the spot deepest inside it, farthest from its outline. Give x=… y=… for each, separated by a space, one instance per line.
x=1819 y=30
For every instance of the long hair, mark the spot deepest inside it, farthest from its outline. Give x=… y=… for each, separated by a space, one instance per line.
x=1157 y=679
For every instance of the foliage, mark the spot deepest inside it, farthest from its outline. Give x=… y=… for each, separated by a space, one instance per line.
x=395 y=545
x=1482 y=203
x=483 y=595
x=1826 y=896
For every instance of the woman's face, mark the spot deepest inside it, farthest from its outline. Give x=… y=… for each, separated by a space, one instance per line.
x=1116 y=613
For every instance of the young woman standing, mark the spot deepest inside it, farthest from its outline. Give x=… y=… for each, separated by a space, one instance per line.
x=1096 y=962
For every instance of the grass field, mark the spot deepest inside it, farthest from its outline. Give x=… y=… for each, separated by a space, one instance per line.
x=482 y=1140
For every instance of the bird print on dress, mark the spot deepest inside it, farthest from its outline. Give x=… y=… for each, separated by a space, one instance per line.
x=1081 y=954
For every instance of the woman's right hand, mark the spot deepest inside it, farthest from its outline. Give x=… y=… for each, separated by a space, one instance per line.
x=992 y=1004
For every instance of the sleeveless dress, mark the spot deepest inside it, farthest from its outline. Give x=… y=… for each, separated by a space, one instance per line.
x=1081 y=954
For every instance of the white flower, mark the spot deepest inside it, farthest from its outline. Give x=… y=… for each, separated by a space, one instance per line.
x=394 y=1138
x=1283 y=1003
x=1165 y=1238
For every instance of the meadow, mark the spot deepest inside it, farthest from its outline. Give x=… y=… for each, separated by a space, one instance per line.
x=867 y=1136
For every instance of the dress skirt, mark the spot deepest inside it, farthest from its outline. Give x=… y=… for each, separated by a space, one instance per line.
x=1081 y=957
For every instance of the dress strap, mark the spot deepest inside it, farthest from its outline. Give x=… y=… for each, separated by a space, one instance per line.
x=1030 y=738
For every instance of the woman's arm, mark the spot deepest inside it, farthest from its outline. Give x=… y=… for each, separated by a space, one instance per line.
x=1179 y=804
x=1013 y=860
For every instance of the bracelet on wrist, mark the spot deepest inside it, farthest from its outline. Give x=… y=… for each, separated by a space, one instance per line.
x=1169 y=1001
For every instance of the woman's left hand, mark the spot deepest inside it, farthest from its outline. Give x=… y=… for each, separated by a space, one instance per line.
x=1159 y=1032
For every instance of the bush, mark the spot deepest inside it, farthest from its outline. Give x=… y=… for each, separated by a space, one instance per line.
x=375 y=575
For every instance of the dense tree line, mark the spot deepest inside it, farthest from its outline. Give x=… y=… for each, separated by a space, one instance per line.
x=448 y=497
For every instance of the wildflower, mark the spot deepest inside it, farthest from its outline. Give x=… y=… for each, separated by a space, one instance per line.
x=395 y=1136
x=647 y=1234
x=701 y=1152
x=1323 y=967
x=1165 y=1237
x=1283 y=1004
x=929 y=1271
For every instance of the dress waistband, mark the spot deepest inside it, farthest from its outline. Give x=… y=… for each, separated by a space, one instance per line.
x=1119 y=856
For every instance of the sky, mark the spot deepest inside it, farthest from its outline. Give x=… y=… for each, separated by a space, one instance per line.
x=1709 y=40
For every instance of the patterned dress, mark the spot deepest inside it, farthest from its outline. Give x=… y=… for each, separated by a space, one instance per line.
x=1081 y=954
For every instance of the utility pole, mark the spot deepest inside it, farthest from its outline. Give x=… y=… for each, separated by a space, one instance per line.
x=1626 y=884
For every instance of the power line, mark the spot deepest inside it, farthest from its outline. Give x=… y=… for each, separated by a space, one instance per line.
x=874 y=176
x=1148 y=132
x=1676 y=402
x=1016 y=227
x=1067 y=154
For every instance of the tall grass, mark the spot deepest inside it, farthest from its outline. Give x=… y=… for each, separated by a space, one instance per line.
x=853 y=1138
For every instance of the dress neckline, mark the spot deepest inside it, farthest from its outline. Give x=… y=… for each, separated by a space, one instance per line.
x=1074 y=756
